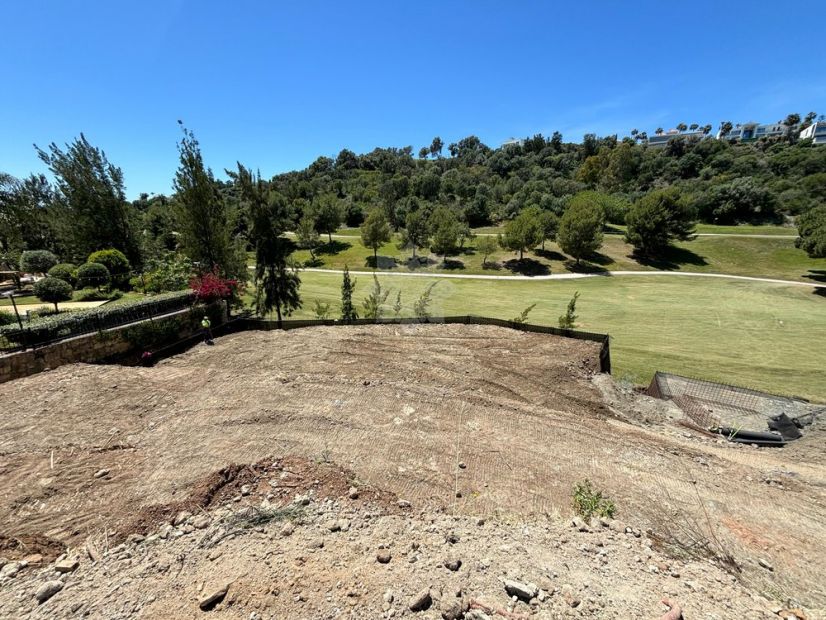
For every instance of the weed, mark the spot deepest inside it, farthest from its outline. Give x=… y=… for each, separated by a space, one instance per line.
x=589 y=501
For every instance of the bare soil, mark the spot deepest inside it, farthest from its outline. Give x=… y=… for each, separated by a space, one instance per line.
x=437 y=426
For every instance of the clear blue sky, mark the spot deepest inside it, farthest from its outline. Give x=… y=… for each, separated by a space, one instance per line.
x=275 y=84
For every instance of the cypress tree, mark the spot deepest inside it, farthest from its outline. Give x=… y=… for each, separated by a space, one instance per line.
x=348 y=311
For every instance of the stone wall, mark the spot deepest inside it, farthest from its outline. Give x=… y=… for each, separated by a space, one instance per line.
x=88 y=348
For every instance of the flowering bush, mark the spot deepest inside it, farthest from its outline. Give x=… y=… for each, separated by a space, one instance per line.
x=211 y=287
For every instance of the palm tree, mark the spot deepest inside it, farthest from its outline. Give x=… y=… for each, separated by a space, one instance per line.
x=693 y=126
x=659 y=131
x=682 y=127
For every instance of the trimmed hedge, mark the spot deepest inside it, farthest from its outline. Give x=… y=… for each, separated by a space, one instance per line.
x=69 y=324
x=64 y=271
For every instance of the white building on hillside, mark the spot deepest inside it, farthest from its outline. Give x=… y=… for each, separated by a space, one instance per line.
x=815 y=131
x=513 y=142
x=663 y=138
x=753 y=131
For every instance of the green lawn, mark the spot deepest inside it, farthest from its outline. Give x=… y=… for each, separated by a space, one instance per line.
x=766 y=336
x=762 y=257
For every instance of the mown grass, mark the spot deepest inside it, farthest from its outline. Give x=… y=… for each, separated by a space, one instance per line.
x=766 y=336
x=758 y=256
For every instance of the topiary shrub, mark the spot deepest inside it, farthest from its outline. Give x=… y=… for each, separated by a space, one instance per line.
x=37 y=261
x=53 y=290
x=92 y=275
x=117 y=264
x=64 y=271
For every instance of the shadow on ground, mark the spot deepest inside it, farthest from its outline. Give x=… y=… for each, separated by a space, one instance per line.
x=380 y=262
x=334 y=247
x=818 y=275
x=527 y=267
x=551 y=255
x=673 y=258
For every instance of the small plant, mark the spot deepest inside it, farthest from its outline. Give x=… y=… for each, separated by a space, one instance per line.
x=397 y=307
x=375 y=300
x=321 y=310
x=568 y=320
x=523 y=316
x=588 y=501
x=421 y=306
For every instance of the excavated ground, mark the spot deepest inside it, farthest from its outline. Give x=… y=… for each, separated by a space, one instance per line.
x=467 y=421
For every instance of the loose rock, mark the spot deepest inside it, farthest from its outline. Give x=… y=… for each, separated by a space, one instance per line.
x=421 y=601
x=523 y=591
x=47 y=591
x=383 y=556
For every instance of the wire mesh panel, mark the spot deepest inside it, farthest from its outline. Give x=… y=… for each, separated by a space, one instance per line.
x=709 y=404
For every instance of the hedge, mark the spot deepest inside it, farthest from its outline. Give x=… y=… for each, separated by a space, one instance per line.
x=68 y=324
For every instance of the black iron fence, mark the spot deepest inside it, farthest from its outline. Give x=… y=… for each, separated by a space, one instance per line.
x=603 y=339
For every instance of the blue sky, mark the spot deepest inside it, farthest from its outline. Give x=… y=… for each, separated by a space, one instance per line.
x=275 y=84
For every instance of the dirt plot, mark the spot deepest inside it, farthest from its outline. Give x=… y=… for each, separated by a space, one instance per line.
x=469 y=420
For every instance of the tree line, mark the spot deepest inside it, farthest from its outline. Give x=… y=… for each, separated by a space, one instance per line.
x=543 y=188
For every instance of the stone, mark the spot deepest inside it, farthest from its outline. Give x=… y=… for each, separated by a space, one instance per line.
x=476 y=614
x=388 y=596
x=246 y=489
x=453 y=564
x=462 y=465
x=353 y=493
x=47 y=591
x=333 y=526
x=66 y=566
x=209 y=601
x=10 y=569
x=523 y=591
x=33 y=559
x=302 y=500
x=579 y=524
x=344 y=525
x=421 y=601
x=287 y=529
x=570 y=596
x=453 y=609
x=200 y=522
x=181 y=517
x=383 y=556
x=765 y=564
x=403 y=503
x=101 y=473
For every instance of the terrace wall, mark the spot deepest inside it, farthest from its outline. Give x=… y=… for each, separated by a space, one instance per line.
x=118 y=342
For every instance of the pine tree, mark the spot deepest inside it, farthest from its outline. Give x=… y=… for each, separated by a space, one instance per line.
x=348 y=312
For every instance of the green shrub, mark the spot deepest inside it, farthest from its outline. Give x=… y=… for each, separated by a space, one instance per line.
x=7 y=318
x=92 y=274
x=589 y=501
x=104 y=317
x=37 y=261
x=117 y=264
x=53 y=290
x=93 y=294
x=64 y=271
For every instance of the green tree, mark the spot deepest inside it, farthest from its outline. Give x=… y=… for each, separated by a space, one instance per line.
x=436 y=147
x=397 y=307
x=276 y=278
x=811 y=226
x=53 y=290
x=374 y=302
x=445 y=231
x=421 y=307
x=92 y=275
x=568 y=320
x=321 y=310
x=416 y=232
x=375 y=232
x=37 y=261
x=328 y=216
x=117 y=264
x=549 y=225
x=89 y=205
x=486 y=245
x=658 y=218
x=307 y=235
x=202 y=214
x=64 y=271
x=580 y=229
x=523 y=232
x=348 y=311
